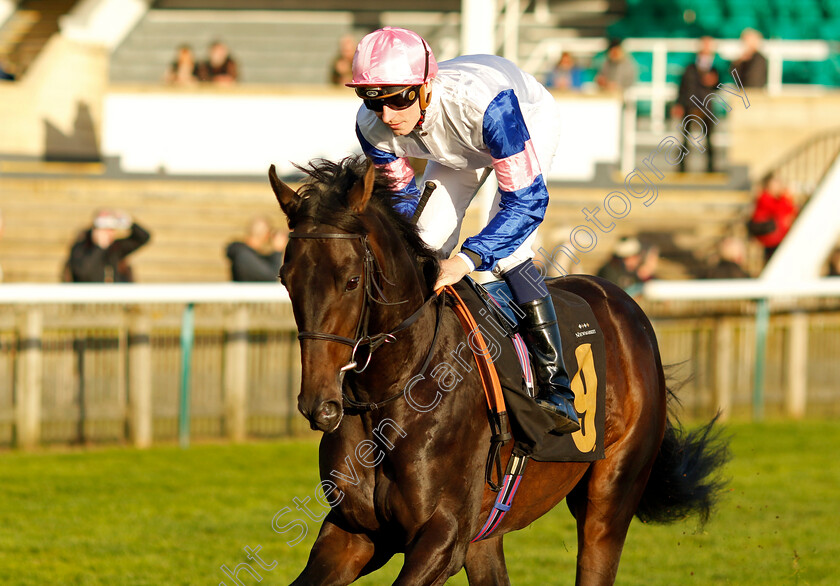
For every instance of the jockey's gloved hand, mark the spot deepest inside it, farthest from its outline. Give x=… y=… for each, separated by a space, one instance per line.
x=452 y=270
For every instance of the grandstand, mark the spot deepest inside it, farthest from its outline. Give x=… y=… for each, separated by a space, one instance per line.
x=284 y=48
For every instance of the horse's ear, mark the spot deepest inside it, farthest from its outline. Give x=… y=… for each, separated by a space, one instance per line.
x=360 y=193
x=286 y=196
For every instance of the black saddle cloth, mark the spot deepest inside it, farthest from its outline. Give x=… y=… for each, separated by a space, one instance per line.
x=585 y=357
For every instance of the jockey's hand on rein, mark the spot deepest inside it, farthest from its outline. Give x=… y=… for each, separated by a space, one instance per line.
x=452 y=270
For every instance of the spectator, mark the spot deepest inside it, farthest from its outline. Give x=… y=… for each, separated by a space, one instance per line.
x=220 y=68
x=619 y=71
x=184 y=70
x=773 y=216
x=630 y=265
x=98 y=256
x=342 y=66
x=751 y=65
x=260 y=256
x=699 y=79
x=731 y=254
x=566 y=75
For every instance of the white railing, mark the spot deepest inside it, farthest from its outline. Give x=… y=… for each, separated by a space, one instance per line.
x=68 y=315
x=80 y=354
x=763 y=292
x=112 y=293
x=739 y=289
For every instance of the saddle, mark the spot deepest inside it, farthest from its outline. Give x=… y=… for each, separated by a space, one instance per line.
x=505 y=370
x=584 y=352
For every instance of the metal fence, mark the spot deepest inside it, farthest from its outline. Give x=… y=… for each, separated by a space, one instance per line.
x=111 y=373
x=714 y=364
x=115 y=372
x=97 y=371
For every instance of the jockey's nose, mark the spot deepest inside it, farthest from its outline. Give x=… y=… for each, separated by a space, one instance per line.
x=387 y=114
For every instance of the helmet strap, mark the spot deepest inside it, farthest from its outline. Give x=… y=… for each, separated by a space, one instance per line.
x=424 y=99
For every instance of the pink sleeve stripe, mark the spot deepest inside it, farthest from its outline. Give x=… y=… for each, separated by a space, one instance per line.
x=400 y=171
x=517 y=171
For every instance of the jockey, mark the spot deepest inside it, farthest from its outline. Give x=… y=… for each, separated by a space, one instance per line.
x=468 y=116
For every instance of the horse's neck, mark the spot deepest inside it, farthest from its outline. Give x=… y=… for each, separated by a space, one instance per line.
x=400 y=366
x=403 y=283
x=395 y=365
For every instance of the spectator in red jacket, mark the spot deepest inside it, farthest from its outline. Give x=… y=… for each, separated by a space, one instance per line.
x=773 y=216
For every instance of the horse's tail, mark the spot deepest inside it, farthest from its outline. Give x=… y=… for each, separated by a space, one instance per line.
x=685 y=478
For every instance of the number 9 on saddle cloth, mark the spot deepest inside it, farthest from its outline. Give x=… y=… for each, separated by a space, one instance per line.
x=584 y=353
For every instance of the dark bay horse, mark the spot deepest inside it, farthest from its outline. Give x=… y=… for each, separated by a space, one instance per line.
x=408 y=475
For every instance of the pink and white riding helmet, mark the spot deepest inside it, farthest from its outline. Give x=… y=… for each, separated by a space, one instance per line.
x=392 y=57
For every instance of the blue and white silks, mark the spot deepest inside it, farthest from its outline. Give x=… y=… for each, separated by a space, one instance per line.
x=484 y=112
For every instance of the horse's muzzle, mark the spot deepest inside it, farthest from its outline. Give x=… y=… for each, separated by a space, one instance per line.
x=325 y=417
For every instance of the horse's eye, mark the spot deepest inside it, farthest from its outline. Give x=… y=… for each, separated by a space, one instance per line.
x=352 y=284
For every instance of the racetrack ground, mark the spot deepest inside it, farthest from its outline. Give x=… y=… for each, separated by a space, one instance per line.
x=170 y=516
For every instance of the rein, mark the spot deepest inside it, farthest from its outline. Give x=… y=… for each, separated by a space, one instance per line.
x=362 y=338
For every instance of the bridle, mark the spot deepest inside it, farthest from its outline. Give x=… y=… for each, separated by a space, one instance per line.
x=363 y=339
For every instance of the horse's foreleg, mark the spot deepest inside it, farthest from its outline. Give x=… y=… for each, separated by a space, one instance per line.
x=337 y=557
x=486 y=563
x=434 y=555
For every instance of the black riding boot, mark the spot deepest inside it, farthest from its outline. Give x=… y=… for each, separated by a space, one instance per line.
x=539 y=329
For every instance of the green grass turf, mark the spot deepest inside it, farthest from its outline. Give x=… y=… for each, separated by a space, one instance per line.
x=171 y=516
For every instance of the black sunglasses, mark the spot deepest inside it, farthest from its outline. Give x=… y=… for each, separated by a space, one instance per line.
x=395 y=97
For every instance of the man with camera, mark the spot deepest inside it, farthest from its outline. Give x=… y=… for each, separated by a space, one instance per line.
x=98 y=256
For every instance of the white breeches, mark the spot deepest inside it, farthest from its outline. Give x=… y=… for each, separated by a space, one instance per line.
x=440 y=223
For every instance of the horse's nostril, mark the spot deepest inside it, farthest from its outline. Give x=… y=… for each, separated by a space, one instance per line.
x=322 y=415
x=328 y=410
x=327 y=415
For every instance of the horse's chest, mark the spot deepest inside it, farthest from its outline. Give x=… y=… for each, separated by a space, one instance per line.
x=367 y=503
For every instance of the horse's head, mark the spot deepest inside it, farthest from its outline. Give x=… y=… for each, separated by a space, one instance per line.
x=351 y=265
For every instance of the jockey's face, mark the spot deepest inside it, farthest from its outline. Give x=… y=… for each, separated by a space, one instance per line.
x=401 y=122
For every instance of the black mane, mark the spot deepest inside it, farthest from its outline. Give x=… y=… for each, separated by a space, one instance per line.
x=324 y=200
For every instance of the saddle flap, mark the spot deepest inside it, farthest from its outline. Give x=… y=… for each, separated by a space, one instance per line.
x=585 y=356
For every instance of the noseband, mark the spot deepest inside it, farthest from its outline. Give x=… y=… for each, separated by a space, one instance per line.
x=362 y=338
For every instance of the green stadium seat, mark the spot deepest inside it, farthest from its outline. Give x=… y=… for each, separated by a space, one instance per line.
x=621 y=29
x=786 y=29
x=677 y=62
x=832 y=8
x=807 y=10
x=588 y=75
x=710 y=20
x=800 y=72
x=826 y=72
x=736 y=9
x=830 y=30
x=645 y=63
x=758 y=7
x=732 y=28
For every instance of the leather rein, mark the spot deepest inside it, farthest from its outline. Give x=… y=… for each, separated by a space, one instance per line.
x=363 y=340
